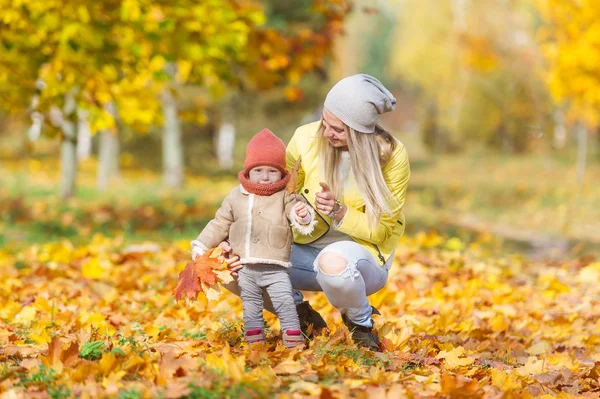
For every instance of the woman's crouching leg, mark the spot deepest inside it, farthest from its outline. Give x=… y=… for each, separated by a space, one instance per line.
x=348 y=273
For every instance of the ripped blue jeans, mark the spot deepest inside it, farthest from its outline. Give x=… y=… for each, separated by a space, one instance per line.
x=346 y=291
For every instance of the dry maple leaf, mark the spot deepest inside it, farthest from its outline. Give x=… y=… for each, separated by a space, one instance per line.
x=57 y=354
x=291 y=186
x=200 y=275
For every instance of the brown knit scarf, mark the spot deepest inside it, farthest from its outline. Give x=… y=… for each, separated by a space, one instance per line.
x=263 y=189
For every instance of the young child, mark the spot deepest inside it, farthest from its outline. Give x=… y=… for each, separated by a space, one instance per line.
x=255 y=218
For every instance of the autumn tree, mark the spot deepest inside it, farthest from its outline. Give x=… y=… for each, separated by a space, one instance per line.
x=126 y=56
x=296 y=40
x=128 y=61
x=570 y=40
x=63 y=61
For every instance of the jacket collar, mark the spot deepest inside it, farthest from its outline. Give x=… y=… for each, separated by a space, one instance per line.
x=243 y=190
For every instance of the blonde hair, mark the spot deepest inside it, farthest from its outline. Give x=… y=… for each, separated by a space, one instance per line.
x=368 y=154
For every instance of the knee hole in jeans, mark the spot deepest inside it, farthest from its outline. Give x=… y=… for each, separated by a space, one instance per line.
x=332 y=263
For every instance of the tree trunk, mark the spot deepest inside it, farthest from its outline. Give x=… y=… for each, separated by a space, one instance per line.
x=108 y=165
x=84 y=136
x=108 y=153
x=459 y=11
x=582 y=144
x=68 y=160
x=64 y=120
x=35 y=130
x=172 y=146
x=224 y=138
x=559 y=138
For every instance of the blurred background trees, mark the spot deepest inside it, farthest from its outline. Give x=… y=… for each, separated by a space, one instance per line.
x=135 y=66
x=182 y=85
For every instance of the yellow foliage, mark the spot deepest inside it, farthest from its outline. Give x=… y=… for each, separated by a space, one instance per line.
x=570 y=39
x=506 y=381
x=453 y=359
x=26 y=315
x=92 y=269
x=224 y=361
x=486 y=326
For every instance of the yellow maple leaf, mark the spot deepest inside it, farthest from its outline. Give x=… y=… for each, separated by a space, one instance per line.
x=539 y=349
x=92 y=269
x=107 y=363
x=533 y=366
x=234 y=367
x=590 y=274
x=43 y=337
x=26 y=315
x=212 y=294
x=452 y=359
x=306 y=387
x=288 y=366
x=9 y=309
x=505 y=381
x=224 y=276
x=42 y=304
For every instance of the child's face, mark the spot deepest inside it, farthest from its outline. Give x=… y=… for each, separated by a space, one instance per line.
x=264 y=175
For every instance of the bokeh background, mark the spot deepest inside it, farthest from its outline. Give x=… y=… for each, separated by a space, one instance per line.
x=130 y=118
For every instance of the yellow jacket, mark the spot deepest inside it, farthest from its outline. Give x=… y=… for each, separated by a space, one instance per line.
x=379 y=241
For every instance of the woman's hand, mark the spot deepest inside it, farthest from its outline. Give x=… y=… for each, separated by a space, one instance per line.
x=233 y=261
x=324 y=199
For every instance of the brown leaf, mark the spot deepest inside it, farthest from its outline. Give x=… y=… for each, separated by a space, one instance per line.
x=175 y=364
x=459 y=386
x=288 y=367
x=54 y=351
x=291 y=186
x=57 y=354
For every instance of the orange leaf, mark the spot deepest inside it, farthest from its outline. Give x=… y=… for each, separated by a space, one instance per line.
x=188 y=283
x=57 y=354
x=291 y=186
x=199 y=275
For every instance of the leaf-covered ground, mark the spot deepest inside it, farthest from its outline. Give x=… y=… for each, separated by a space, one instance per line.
x=100 y=320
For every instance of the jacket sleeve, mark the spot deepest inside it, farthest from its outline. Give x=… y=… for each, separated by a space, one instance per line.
x=355 y=223
x=216 y=230
x=291 y=156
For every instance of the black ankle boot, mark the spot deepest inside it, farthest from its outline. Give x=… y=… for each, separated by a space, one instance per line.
x=361 y=335
x=310 y=317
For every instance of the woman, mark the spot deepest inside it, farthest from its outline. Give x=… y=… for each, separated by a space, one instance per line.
x=355 y=175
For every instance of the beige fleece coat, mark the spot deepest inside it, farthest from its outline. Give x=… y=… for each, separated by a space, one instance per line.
x=257 y=227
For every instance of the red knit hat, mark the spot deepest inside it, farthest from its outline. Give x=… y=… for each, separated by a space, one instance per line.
x=265 y=149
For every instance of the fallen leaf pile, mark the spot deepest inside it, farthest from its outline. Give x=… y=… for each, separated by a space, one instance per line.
x=101 y=320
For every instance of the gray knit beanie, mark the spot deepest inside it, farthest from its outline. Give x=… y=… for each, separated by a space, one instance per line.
x=357 y=100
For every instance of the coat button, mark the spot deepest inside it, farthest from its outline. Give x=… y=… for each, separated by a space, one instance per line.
x=255 y=240
x=258 y=212
x=306 y=191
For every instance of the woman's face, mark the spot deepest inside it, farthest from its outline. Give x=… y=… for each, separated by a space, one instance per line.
x=335 y=130
x=264 y=175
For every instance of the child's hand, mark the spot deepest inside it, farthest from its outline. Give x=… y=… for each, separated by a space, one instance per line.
x=233 y=261
x=301 y=210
